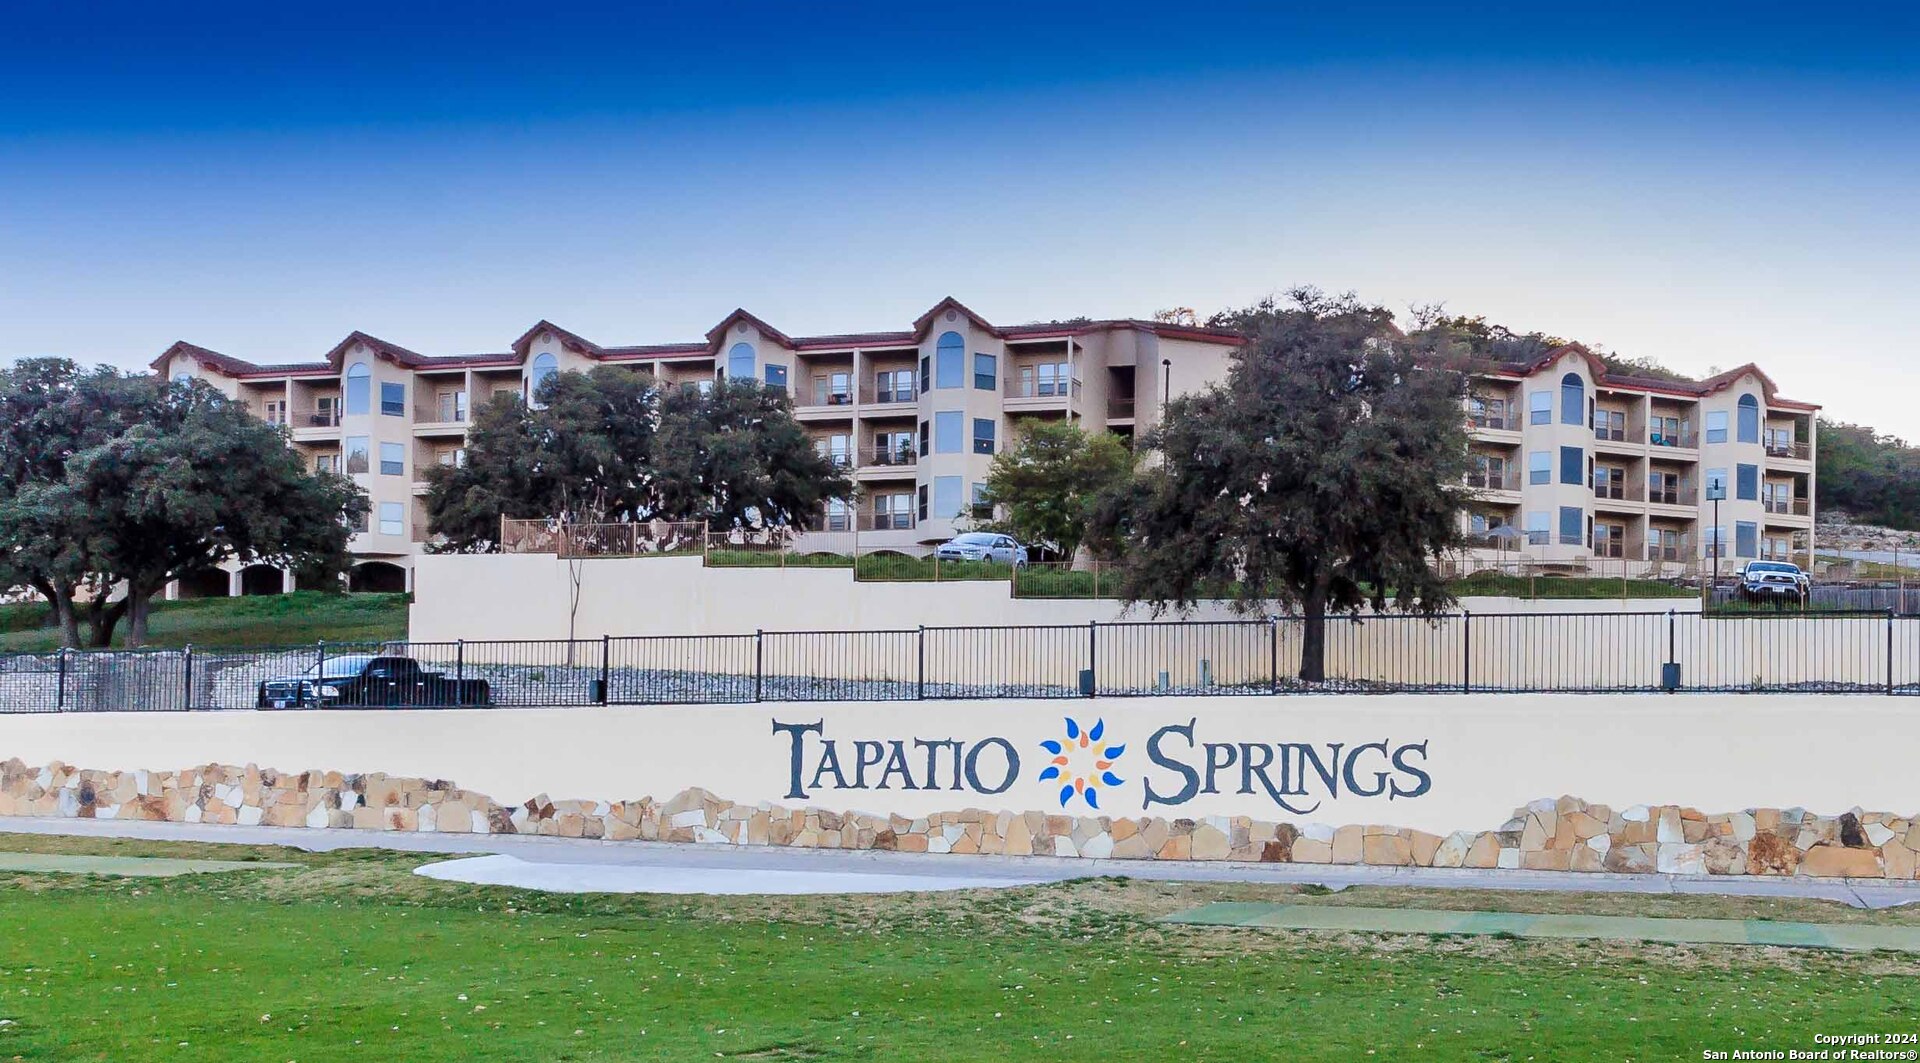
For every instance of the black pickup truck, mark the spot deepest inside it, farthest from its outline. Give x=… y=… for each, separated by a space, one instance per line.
x=370 y=681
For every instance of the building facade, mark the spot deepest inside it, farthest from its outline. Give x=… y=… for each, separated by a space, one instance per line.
x=1570 y=461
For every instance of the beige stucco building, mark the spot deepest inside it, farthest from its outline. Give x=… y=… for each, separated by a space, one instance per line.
x=1575 y=462
x=917 y=414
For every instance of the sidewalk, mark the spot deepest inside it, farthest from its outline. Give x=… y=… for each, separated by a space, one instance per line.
x=604 y=864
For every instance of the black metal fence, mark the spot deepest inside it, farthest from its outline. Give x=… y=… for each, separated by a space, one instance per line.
x=1471 y=653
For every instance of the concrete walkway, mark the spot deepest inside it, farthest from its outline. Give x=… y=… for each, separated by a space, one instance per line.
x=925 y=871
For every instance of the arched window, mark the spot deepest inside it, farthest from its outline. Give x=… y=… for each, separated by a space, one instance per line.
x=950 y=361
x=1573 y=399
x=544 y=366
x=359 y=396
x=1749 y=420
x=740 y=362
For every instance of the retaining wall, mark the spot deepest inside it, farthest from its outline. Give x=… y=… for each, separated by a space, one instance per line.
x=1705 y=784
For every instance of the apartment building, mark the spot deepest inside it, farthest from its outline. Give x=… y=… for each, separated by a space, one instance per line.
x=915 y=414
x=1571 y=462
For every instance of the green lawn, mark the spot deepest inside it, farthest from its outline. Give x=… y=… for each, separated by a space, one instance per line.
x=262 y=620
x=1492 y=584
x=775 y=559
x=889 y=567
x=351 y=957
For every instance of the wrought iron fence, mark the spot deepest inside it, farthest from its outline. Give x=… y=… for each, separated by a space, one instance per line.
x=1490 y=653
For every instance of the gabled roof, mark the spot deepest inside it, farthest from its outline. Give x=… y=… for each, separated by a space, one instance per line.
x=211 y=359
x=392 y=352
x=924 y=321
x=571 y=341
x=1597 y=368
x=718 y=333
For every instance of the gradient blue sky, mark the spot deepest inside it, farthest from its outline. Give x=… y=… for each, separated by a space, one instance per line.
x=1705 y=187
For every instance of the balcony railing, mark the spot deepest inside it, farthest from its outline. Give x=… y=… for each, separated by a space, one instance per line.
x=1685 y=439
x=1497 y=422
x=1790 y=450
x=1685 y=496
x=328 y=417
x=1798 y=507
x=871 y=396
x=823 y=393
x=885 y=522
x=1056 y=388
x=1494 y=481
x=1120 y=408
x=1681 y=550
x=890 y=456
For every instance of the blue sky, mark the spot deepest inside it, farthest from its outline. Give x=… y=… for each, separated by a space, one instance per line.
x=1708 y=187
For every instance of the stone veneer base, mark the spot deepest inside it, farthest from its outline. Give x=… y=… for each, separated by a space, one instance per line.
x=1566 y=834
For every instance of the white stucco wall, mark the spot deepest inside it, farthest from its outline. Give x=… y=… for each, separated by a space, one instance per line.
x=1482 y=756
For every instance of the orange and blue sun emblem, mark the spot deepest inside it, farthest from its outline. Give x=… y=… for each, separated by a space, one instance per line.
x=1082 y=763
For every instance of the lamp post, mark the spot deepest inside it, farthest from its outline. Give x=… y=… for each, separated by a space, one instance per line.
x=1166 y=382
x=1716 y=490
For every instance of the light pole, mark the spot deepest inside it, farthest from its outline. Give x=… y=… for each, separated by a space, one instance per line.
x=1166 y=383
x=1716 y=490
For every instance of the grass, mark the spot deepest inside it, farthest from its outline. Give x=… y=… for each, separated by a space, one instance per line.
x=1493 y=584
x=890 y=567
x=349 y=956
x=262 y=620
x=775 y=559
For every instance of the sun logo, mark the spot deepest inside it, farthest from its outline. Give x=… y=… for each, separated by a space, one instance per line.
x=1082 y=763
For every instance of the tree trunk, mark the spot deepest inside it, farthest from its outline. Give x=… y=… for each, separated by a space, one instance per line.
x=1313 y=637
x=62 y=599
x=137 y=603
x=102 y=618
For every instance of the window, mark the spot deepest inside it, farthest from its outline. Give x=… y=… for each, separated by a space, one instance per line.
x=455 y=458
x=949 y=361
x=981 y=510
x=358 y=454
x=946 y=497
x=1054 y=378
x=1749 y=424
x=893 y=386
x=393 y=459
x=1573 y=399
x=276 y=411
x=1717 y=426
x=893 y=511
x=925 y=444
x=1610 y=482
x=1490 y=472
x=326 y=411
x=1779 y=442
x=926 y=374
x=983 y=435
x=359 y=389
x=1665 y=432
x=837 y=516
x=893 y=448
x=1573 y=526
x=834 y=389
x=1609 y=540
x=504 y=393
x=1716 y=484
x=393 y=399
x=360 y=523
x=740 y=362
x=1484 y=412
x=1746 y=539
x=1664 y=488
x=1537 y=528
x=1746 y=482
x=1540 y=407
x=450 y=405
x=391 y=518
x=923 y=501
x=985 y=372
x=326 y=463
x=946 y=432
x=1573 y=465
x=1666 y=545
x=776 y=377
x=1717 y=541
x=1610 y=425
x=1540 y=467
x=835 y=449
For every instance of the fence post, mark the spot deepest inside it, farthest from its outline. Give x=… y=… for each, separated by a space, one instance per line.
x=60 y=690
x=606 y=668
x=1093 y=660
x=1466 y=651
x=186 y=695
x=759 y=661
x=1890 y=615
x=1273 y=655
x=920 y=675
x=459 y=659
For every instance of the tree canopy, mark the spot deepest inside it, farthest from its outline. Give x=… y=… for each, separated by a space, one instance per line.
x=614 y=446
x=112 y=485
x=1324 y=474
x=1045 y=488
x=1874 y=478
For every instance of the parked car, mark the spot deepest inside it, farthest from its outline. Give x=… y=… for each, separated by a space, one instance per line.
x=1774 y=581
x=370 y=681
x=982 y=546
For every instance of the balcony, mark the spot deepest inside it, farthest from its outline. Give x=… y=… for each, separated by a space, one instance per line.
x=1668 y=496
x=1618 y=492
x=1492 y=422
x=877 y=396
x=1120 y=409
x=1685 y=439
x=448 y=411
x=1493 y=480
x=1797 y=507
x=321 y=417
x=1671 y=550
x=823 y=392
x=1789 y=450
x=1042 y=388
x=889 y=457
x=884 y=522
